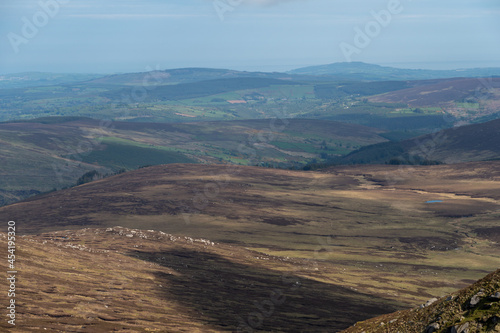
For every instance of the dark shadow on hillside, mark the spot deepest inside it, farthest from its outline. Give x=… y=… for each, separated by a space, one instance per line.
x=230 y=296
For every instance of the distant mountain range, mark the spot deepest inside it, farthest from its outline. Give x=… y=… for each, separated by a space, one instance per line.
x=335 y=71
x=191 y=75
x=151 y=78
x=364 y=71
x=37 y=79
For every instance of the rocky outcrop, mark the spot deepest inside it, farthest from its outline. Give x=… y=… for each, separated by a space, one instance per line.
x=471 y=310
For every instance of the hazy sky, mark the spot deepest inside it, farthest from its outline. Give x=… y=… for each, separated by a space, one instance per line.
x=104 y=36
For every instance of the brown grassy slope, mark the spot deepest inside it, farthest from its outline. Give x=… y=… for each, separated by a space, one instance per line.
x=117 y=279
x=369 y=228
x=477 y=142
x=461 y=144
x=453 y=311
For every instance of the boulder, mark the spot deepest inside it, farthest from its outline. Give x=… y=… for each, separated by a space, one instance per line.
x=432 y=328
x=495 y=297
x=476 y=299
x=459 y=328
x=429 y=302
x=464 y=328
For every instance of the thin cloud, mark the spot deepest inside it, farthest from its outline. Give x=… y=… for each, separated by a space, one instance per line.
x=132 y=16
x=457 y=16
x=265 y=2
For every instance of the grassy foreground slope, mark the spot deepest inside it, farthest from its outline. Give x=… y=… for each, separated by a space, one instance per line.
x=374 y=229
x=118 y=279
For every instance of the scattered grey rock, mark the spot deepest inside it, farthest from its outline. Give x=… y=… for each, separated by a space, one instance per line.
x=463 y=328
x=459 y=328
x=476 y=299
x=496 y=296
x=449 y=298
x=429 y=302
x=432 y=328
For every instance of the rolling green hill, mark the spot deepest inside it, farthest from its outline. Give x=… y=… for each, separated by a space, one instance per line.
x=294 y=100
x=189 y=75
x=203 y=88
x=343 y=89
x=214 y=95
